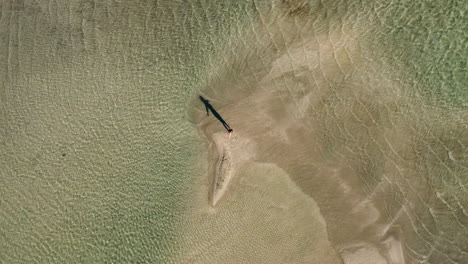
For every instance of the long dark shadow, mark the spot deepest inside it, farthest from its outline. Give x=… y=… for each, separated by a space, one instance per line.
x=209 y=108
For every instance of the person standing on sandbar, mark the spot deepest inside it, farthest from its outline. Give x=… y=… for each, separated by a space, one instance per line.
x=209 y=108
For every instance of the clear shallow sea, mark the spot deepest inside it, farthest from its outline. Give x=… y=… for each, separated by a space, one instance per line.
x=101 y=160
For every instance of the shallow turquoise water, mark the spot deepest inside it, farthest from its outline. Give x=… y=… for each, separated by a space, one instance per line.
x=99 y=151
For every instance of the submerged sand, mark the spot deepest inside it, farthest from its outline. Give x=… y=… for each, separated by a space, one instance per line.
x=350 y=117
x=385 y=165
x=353 y=137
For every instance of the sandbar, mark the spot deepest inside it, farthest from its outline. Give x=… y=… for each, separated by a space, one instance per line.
x=232 y=151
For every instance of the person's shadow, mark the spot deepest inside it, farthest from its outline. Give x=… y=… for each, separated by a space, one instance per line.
x=209 y=108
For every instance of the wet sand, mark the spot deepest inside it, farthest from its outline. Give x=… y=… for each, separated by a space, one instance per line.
x=350 y=116
x=354 y=137
x=231 y=151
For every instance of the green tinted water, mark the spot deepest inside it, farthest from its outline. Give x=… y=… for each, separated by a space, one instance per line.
x=98 y=154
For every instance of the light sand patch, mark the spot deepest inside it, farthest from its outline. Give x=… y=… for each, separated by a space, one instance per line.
x=395 y=252
x=360 y=254
x=233 y=150
x=263 y=218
